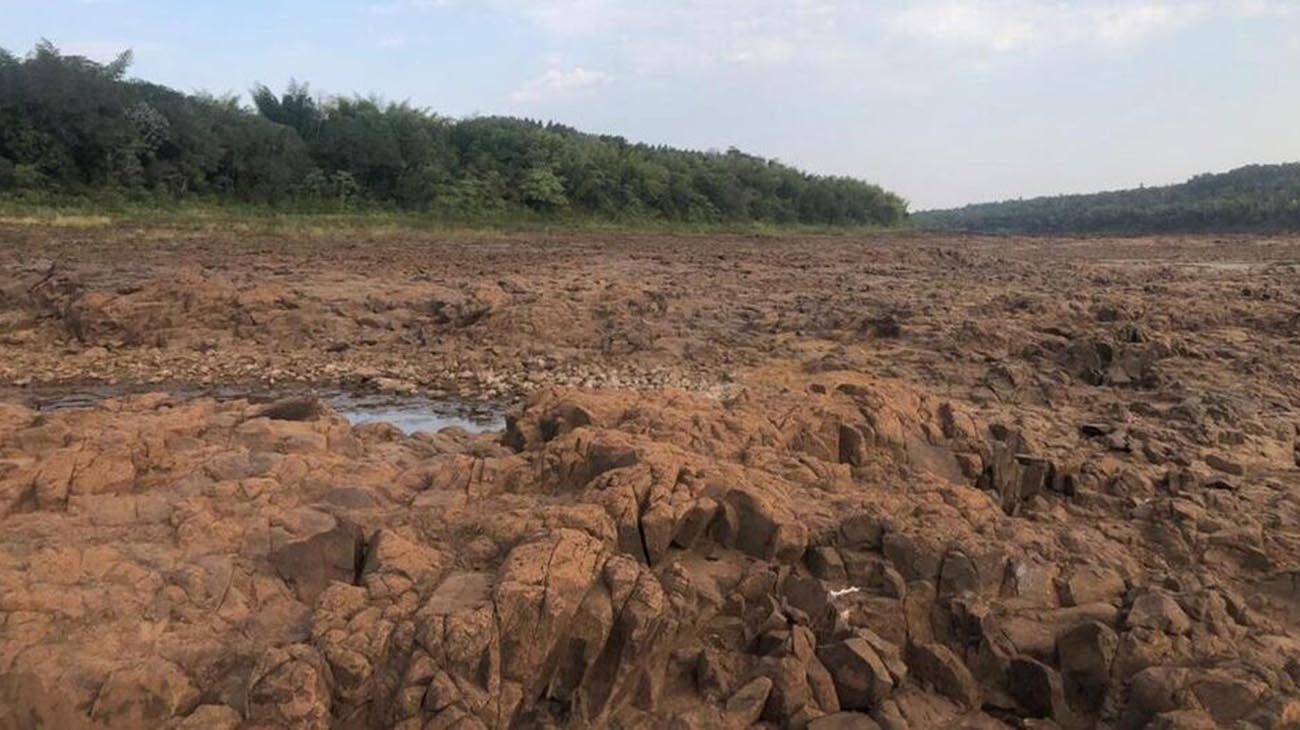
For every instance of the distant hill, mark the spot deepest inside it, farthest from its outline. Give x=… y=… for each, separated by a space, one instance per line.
x=1255 y=197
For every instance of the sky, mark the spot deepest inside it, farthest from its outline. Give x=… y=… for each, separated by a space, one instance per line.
x=946 y=102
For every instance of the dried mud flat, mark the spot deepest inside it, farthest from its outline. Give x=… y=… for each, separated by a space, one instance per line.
x=825 y=483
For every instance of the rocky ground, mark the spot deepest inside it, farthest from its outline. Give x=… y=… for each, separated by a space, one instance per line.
x=824 y=483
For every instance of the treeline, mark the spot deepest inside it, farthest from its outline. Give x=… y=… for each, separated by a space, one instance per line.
x=71 y=126
x=1255 y=197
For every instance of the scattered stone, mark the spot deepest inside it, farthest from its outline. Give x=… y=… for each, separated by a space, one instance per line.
x=1086 y=653
x=825 y=563
x=1158 y=610
x=862 y=530
x=395 y=386
x=1091 y=584
x=934 y=665
x=862 y=681
x=1228 y=699
x=1154 y=691
x=1037 y=688
x=790 y=689
x=1225 y=465
x=1096 y=430
x=746 y=705
x=292 y=409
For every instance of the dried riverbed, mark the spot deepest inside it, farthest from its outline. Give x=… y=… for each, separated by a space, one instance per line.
x=819 y=482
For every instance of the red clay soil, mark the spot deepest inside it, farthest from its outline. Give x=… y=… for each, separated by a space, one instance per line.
x=824 y=483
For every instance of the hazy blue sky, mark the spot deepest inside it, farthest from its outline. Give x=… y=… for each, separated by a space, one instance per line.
x=944 y=101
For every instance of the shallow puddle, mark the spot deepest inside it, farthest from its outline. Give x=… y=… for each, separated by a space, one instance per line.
x=410 y=414
x=413 y=414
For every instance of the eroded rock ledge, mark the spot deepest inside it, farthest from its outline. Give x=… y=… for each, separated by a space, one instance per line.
x=841 y=553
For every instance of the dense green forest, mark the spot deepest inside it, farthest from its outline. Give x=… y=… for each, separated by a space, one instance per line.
x=73 y=127
x=1256 y=197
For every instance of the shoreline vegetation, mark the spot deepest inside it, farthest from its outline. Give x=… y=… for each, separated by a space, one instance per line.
x=72 y=129
x=1247 y=199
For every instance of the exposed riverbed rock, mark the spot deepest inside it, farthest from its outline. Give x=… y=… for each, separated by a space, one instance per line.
x=832 y=527
x=567 y=582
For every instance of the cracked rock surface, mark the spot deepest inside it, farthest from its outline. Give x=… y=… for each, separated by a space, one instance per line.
x=925 y=483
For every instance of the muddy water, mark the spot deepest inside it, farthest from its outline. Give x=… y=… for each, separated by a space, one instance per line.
x=411 y=414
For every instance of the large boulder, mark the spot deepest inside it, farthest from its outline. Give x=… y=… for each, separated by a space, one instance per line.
x=937 y=667
x=862 y=681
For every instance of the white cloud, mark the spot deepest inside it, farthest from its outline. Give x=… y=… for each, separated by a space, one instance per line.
x=1262 y=8
x=785 y=31
x=673 y=35
x=1004 y=25
x=1131 y=23
x=998 y=27
x=764 y=52
x=558 y=82
x=692 y=37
